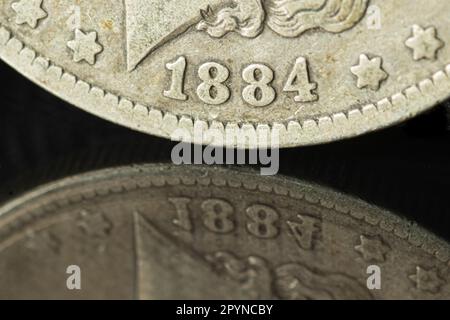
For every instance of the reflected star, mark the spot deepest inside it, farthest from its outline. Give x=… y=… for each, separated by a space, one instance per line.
x=427 y=280
x=372 y=249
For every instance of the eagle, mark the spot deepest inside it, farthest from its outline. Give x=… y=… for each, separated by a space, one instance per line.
x=288 y=18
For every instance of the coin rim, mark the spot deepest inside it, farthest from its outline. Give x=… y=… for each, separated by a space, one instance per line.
x=357 y=121
x=160 y=175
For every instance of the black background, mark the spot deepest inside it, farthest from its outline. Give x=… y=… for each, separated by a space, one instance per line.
x=405 y=168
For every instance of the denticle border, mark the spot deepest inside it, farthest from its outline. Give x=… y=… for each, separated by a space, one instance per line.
x=160 y=175
x=390 y=110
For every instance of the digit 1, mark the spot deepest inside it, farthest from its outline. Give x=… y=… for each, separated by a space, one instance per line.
x=183 y=219
x=178 y=69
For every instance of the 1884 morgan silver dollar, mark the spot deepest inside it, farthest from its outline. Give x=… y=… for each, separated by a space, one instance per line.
x=161 y=231
x=314 y=70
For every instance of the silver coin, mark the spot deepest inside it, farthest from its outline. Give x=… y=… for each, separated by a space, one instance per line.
x=314 y=71
x=166 y=232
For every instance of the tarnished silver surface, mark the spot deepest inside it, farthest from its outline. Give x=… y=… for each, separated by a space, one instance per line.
x=314 y=70
x=160 y=231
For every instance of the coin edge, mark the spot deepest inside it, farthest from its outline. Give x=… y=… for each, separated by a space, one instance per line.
x=357 y=121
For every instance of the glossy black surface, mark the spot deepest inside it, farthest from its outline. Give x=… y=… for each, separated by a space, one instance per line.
x=405 y=168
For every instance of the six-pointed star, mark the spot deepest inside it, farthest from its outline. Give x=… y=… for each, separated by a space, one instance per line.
x=370 y=72
x=424 y=43
x=372 y=249
x=427 y=280
x=85 y=46
x=29 y=11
